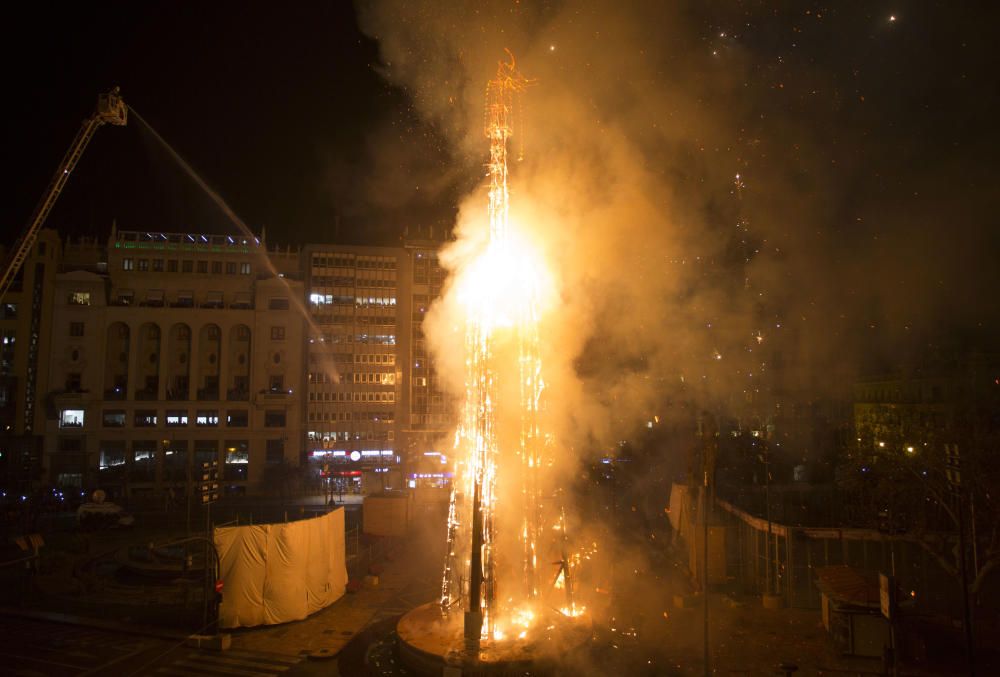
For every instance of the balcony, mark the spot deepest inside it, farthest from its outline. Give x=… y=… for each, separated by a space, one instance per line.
x=274 y=394
x=238 y=395
x=177 y=394
x=146 y=394
x=116 y=393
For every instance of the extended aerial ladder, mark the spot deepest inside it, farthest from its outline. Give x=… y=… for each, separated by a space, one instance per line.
x=110 y=109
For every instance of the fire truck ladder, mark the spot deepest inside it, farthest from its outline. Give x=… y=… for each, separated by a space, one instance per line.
x=110 y=109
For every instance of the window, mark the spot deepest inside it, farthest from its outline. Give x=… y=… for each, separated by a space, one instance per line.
x=213 y=299
x=74 y=382
x=205 y=451
x=276 y=383
x=145 y=418
x=216 y=267
x=157 y=265
x=175 y=460
x=8 y=338
x=244 y=269
x=113 y=418
x=230 y=267
x=203 y=266
x=275 y=451
x=154 y=298
x=79 y=298
x=76 y=329
x=274 y=418
x=176 y=418
x=70 y=444
x=143 y=265
x=185 y=299
x=237 y=460
x=112 y=455
x=237 y=418
x=172 y=266
x=124 y=297
x=277 y=333
x=277 y=304
x=187 y=266
x=71 y=418
x=128 y=264
x=206 y=418
x=143 y=460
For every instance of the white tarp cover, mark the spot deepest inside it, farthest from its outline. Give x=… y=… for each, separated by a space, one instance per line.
x=275 y=573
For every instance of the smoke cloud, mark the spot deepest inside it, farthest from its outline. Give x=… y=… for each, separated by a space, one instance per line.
x=675 y=278
x=734 y=206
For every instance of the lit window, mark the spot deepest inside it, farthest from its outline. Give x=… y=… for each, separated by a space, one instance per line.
x=237 y=459
x=112 y=455
x=244 y=269
x=128 y=264
x=145 y=418
x=71 y=418
x=177 y=418
x=207 y=418
x=80 y=298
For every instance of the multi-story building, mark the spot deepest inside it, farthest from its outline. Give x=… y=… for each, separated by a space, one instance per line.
x=952 y=397
x=25 y=327
x=427 y=412
x=172 y=351
x=355 y=363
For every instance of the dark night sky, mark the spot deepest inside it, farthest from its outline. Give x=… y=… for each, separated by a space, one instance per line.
x=888 y=126
x=269 y=102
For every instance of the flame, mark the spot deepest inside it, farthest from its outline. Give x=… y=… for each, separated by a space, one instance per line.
x=506 y=285
x=503 y=290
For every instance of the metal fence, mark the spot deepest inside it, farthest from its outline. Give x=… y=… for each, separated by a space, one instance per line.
x=783 y=559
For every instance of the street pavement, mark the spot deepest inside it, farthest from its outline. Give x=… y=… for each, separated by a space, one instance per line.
x=745 y=639
x=37 y=648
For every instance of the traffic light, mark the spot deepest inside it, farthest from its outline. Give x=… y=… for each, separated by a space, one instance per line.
x=209 y=486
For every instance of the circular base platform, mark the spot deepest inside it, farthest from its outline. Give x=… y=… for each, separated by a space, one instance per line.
x=430 y=641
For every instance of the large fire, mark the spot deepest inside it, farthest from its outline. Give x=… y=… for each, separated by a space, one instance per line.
x=503 y=293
